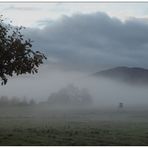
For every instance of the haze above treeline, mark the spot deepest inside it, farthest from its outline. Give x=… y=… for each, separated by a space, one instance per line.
x=77 y=47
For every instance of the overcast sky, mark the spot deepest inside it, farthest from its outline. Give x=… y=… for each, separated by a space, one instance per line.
x=38 y=14
x=78 y=39
x=85 y=36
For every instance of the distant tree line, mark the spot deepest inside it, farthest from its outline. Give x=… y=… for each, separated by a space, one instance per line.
x=67 y=96
x=16 y=101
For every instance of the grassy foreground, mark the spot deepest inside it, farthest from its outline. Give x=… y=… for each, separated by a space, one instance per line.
x=27 y=126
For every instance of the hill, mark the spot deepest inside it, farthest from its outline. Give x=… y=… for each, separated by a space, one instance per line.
x=132 y=75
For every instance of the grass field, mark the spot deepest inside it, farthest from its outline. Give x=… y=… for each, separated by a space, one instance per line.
x=44 y=126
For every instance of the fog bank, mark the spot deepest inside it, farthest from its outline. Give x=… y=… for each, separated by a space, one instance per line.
x=104 y=92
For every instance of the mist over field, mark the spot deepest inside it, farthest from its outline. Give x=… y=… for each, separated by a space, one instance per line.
x=105 y=92
x=91 y=90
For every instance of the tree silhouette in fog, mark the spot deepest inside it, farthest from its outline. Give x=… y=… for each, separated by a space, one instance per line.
x=16 y=54
x=70 y=95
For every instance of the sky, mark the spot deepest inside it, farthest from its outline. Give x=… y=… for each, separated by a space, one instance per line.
x=37 y=14
x=79 y=38
x=85 y=36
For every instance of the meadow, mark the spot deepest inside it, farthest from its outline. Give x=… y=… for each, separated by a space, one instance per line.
x=42 y=125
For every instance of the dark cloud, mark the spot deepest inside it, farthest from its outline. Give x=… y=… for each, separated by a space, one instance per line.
x=88 y=41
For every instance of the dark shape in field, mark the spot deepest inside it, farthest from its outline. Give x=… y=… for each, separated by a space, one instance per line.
x=121 y=105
